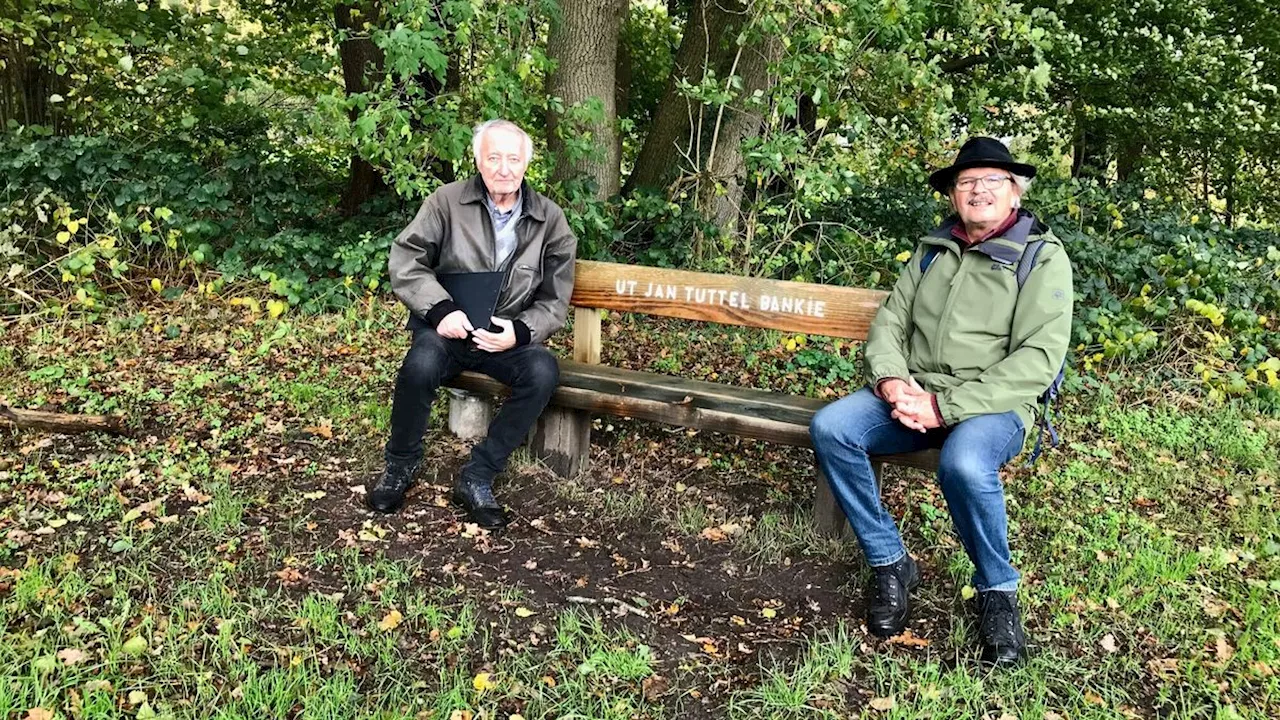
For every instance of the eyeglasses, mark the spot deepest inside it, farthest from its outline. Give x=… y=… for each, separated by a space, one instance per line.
x=990 y=182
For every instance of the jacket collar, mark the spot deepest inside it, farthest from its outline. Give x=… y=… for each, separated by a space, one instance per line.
x=531 y=202
x=1005 y=248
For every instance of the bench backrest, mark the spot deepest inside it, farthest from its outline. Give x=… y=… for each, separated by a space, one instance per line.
x=829 y=310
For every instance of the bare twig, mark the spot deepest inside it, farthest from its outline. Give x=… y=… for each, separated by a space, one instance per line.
x=580 y=600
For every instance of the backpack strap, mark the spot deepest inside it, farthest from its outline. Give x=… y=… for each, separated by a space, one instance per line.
x=1027 y=262
x=931 y=252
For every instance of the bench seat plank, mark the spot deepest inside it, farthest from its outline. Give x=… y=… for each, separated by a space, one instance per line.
x=748 y=412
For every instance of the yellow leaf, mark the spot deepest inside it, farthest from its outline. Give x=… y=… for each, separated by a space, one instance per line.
x=276 y=307
x=459 y=714
x=391 y=621
x=483 y=682
x=769 y=613
x=73 y=226
x=155 y=285
x=883 y=704
x=37 y=713
x=524 y=612
x=64 y=237
x=903 y=256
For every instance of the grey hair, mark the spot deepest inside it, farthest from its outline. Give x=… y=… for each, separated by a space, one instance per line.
x=500 y=124
x=1024 y=184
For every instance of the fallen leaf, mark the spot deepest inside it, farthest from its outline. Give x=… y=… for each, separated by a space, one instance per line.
x=1223 y=649
x=654 y=687
x=968 y=592
x=390 y=621
x=714 y=534
x=71 y=656
x=1109 y=643
x=883 y=704
x=769 y=613
x=37 y=713
x=460 y=715
x=908 y=639
x=316 y=495
x=483 y=681
x=135 y=645
x=290 y=576
x=137 y=697
x=524 y=612
x=324 y=431
x=586 y=542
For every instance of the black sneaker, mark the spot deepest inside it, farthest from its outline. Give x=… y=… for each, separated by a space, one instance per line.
x=890 y=607
x=387 y=494
x=1000 y=628
x=476 y=497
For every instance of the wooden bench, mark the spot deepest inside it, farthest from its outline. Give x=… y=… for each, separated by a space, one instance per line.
x=562 y=437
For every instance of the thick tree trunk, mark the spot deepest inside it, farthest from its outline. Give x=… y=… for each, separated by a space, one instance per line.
x=700 y=48
x=1127 y=160
x=723 y=183
x=584 y=44
x=362 y=65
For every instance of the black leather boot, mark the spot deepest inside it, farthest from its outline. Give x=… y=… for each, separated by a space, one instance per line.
x=386 y=495
x=1000 y=628
x=890 y=606
x=476 y=497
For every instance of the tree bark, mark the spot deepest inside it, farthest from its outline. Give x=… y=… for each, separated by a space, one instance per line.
x=723 y=185
x=584 y=44
x=700 y=48
x=362 y=65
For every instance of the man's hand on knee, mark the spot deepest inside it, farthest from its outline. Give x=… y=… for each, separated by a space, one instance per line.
x=496 y=342
x=455 y=325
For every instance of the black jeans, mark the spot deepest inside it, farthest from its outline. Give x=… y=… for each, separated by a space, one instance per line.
x=530 y=371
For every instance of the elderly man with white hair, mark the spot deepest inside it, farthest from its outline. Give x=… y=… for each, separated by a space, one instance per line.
x=491 y=223
x=975 y=330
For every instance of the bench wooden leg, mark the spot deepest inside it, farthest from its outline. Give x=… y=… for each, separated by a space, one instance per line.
x=469 y=414
x=827 y=515
x=562 y=440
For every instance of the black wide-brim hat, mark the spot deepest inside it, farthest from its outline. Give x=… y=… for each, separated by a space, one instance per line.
x=979 y=152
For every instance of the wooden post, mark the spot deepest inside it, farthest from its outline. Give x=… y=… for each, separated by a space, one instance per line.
x=562 y=437
x=827 y=514
x=469 y=414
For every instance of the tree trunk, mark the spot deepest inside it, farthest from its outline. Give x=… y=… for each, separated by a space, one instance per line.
x=1088 y=157
x=362 y=65
x=27 y=87
x=1127 y=160
x=584 y=44
x=721 y=191
x=622 y=89
x=700 y=48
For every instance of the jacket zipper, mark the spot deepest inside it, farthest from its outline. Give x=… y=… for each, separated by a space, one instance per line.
x=948 y=310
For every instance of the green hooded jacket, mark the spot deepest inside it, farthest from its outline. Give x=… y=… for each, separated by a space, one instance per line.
x=967 y=333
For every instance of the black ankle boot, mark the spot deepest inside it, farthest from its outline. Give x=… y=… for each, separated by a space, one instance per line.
x=1000 y=628
x=890 y=606
x=386 y=495
x=476 y=497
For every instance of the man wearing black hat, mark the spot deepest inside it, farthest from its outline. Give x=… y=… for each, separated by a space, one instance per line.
x=975 y=330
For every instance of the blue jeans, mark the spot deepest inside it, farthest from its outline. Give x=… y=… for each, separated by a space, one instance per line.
x=846 y=432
